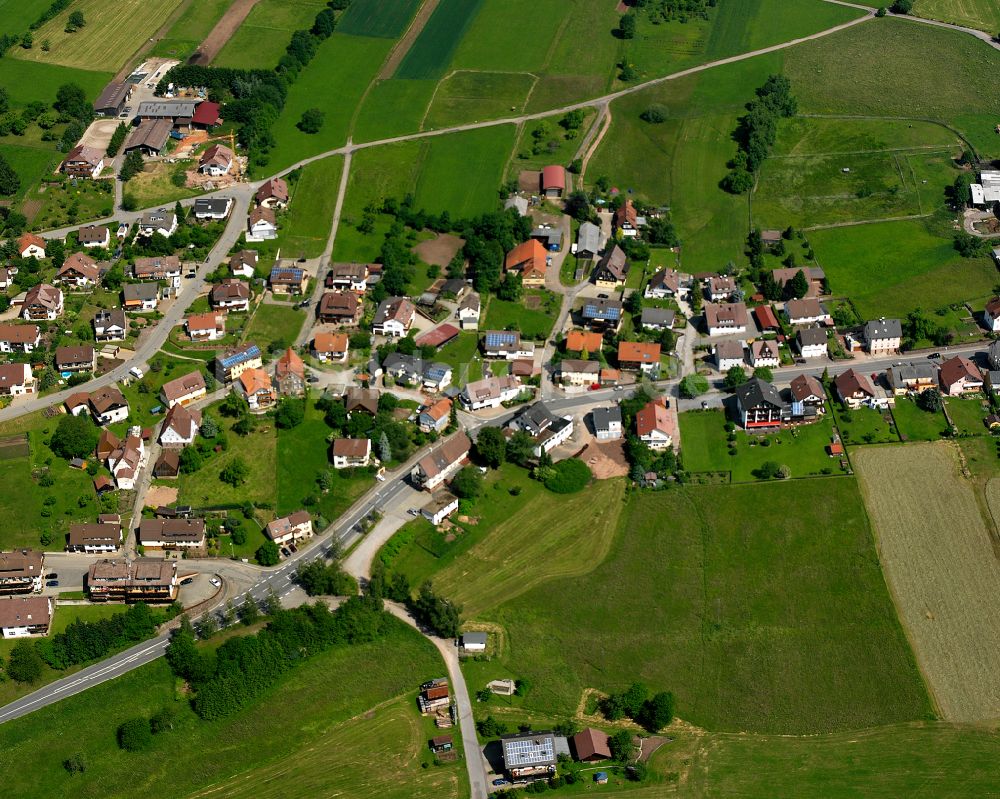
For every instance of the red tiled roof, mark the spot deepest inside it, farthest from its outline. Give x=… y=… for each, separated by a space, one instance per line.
x=638 y=352
x=437 y=337
x=766 y=317
x=553 y=177
x=207 y=113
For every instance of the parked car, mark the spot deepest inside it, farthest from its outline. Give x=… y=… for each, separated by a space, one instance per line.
x=500 y=782
x=293 y=548
x=53 y=583
x=52 y=576
x=312 y=379
x=136 y=372
x=285 y=552
x=934 y=355
x=216 y=582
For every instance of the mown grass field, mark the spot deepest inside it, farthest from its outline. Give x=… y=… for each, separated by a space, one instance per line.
x=305 y=226
x=19 y=14
x=981 y=14
x=191 y=28
x=30 y=81
x=916 y=424
x=114 y=31
x=30 y=163
x=274 y=323
x=473 y=96
x=742 y=600
x=802 y=450
x=334 y=82
x=967 y=415
x=431 y=52
x=262 y=38
x=313 y=719
x=392 y=108
x=890 y=268
x=384 y=18
x=153 y=186
x=939 y=561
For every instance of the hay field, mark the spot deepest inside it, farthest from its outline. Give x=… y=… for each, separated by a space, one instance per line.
x=941 y=567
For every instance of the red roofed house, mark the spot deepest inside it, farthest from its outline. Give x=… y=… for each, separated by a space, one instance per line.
x=437 y=337
x=340 y=308
x=626 y=219
x=766 y=318
x=528 y=259
x=639 y=355
x=351 y=453
x=217 y=160
x=435 y=417
x=290 y=374
x=553 y=181
x=273 y=194
x=652 y=425
x=591 y=745
x=31 y=246
x=855 y=389
x=206 y=115
x=289 y=529
x=960 y=376
x=580 y=340
x=209 y=326
x=255 y=385
x=78 y=270
x=331 y=346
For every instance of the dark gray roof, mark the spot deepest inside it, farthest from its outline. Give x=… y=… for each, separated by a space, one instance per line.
x=603 y=417
x=535 y=418
x=658 y=316
x=882 y=329
x=756 y=392
x=211 y=205
x=809 y=336
x=474 y=638
x=141 y=291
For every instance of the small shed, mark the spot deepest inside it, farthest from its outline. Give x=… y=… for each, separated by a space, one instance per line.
x=442 y=743
x=601 y=778
x=474 y=642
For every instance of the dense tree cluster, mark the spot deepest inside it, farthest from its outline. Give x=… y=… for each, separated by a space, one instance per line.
x=757 y=130
x=436 y=612
x=652 y=712
x=83 y=641
x=74 y=437
x=318 y=578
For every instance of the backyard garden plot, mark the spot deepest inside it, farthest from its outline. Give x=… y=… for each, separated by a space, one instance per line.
x=384 y=18
x=262 y=38
x=113 y=32
x=916 y=424
x=981 y=14
x=275 y=324
x=430 y=54
x=939 y=560
x=742 y=600
x=533 y=315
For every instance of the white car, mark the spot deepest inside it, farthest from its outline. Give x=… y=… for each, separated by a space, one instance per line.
x=216 y=582
x=380 y=477
x=136 y=372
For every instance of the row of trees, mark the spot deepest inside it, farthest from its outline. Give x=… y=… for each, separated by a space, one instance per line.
x=757 y=130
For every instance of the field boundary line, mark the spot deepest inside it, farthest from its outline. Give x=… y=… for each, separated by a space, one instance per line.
x=929 y=148
x=877 y=118
x=868 y=222
x=405 y=42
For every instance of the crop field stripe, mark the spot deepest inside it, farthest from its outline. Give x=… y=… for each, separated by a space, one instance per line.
x=385 y=19
x=432 y=51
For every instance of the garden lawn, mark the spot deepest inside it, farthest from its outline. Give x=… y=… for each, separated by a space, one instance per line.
x=305 y=226
x=801 y=449
x=66 y=204
x=113 y=33
x=261 y=40
x=742 y=600
x=334 y=82
x=967 y=415
x=890 y=268
x=534 y=323
x=140 y=403
x=191 y=28
x=31 y=164
x=274 y=324
x=301 y=721
x=863 y=426
x=462 y=354
x=154 y=185
x=916 y=424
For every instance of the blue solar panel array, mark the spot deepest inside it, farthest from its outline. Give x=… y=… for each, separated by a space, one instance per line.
x=246 y=354
x=500 y=339
x=595 y=310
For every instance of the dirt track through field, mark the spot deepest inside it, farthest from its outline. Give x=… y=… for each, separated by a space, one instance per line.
x=222 y=32
x=941 y=569
x=404 y=44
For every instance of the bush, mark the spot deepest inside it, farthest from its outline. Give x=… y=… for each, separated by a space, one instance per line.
x=902 y=6
x=135 y=735
x=568 y=477
x=267 y=554
x=654 y=114
x=468 y=483
x=75 y=764
x=693 y=386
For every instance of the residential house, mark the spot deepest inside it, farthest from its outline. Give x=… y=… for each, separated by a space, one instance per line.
x=529 y=754
x=438 y=337
x=912 y=377
x=19 y=338
x=602 y=313
x=726 y=318
x=883 y=336
x=171 y=534
x=611 y=270
x=814 y=275
x=588 y=241
x=6 y=281
x=411 y=370
x=108 y=405
x=807 y=391
x=469 y=309
x=960 y=376
x=811 y=342
x=506 y=344
x=547 y=429
x=216 y=161
x=584 y=341
x=149 y=139
x=112 y=100
x=31 y=246
x=808 y=311
x=760 y=405
x=528 y=259
x=729 y=353
x=80 y=358
x=94 y=236
x=231 y=365
x=256 y=387
x=21 y=572
x=626 y=219
x=209 y=326
x=442 y=462
x=442 y=505
x=640 y=356
x=291 y=529
x=591 y=745
x=552 y=181
x=42 y=302
x=23 y=616
x=720 y=288
x=361 y=400
x=393 y=317
x=490 y=392
x=348 y=277
x=666 y=283
x=331 y=347
x=653 y=425
x=273 y=193
x=212 y=207
x=765 y=354
x=168 y=465
x=243 y=264
x=93 y=539
x=657 y=318
x=180 y=426
x=158 y=267
x=145 y=580
x=288 y=280
x=107 y=442
x=573 y=372
x=855 y=390
x=435 y=418
x=607 y=423
x=340 y=308
x=160 y=221
x=83 y=162
x=549 y=236
x=262 y=224
x=351 y=453
x=16 y=380
x=140 y=297
x=232 y=295
x=770 y=239
x=290 y=374
x=125 y=463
